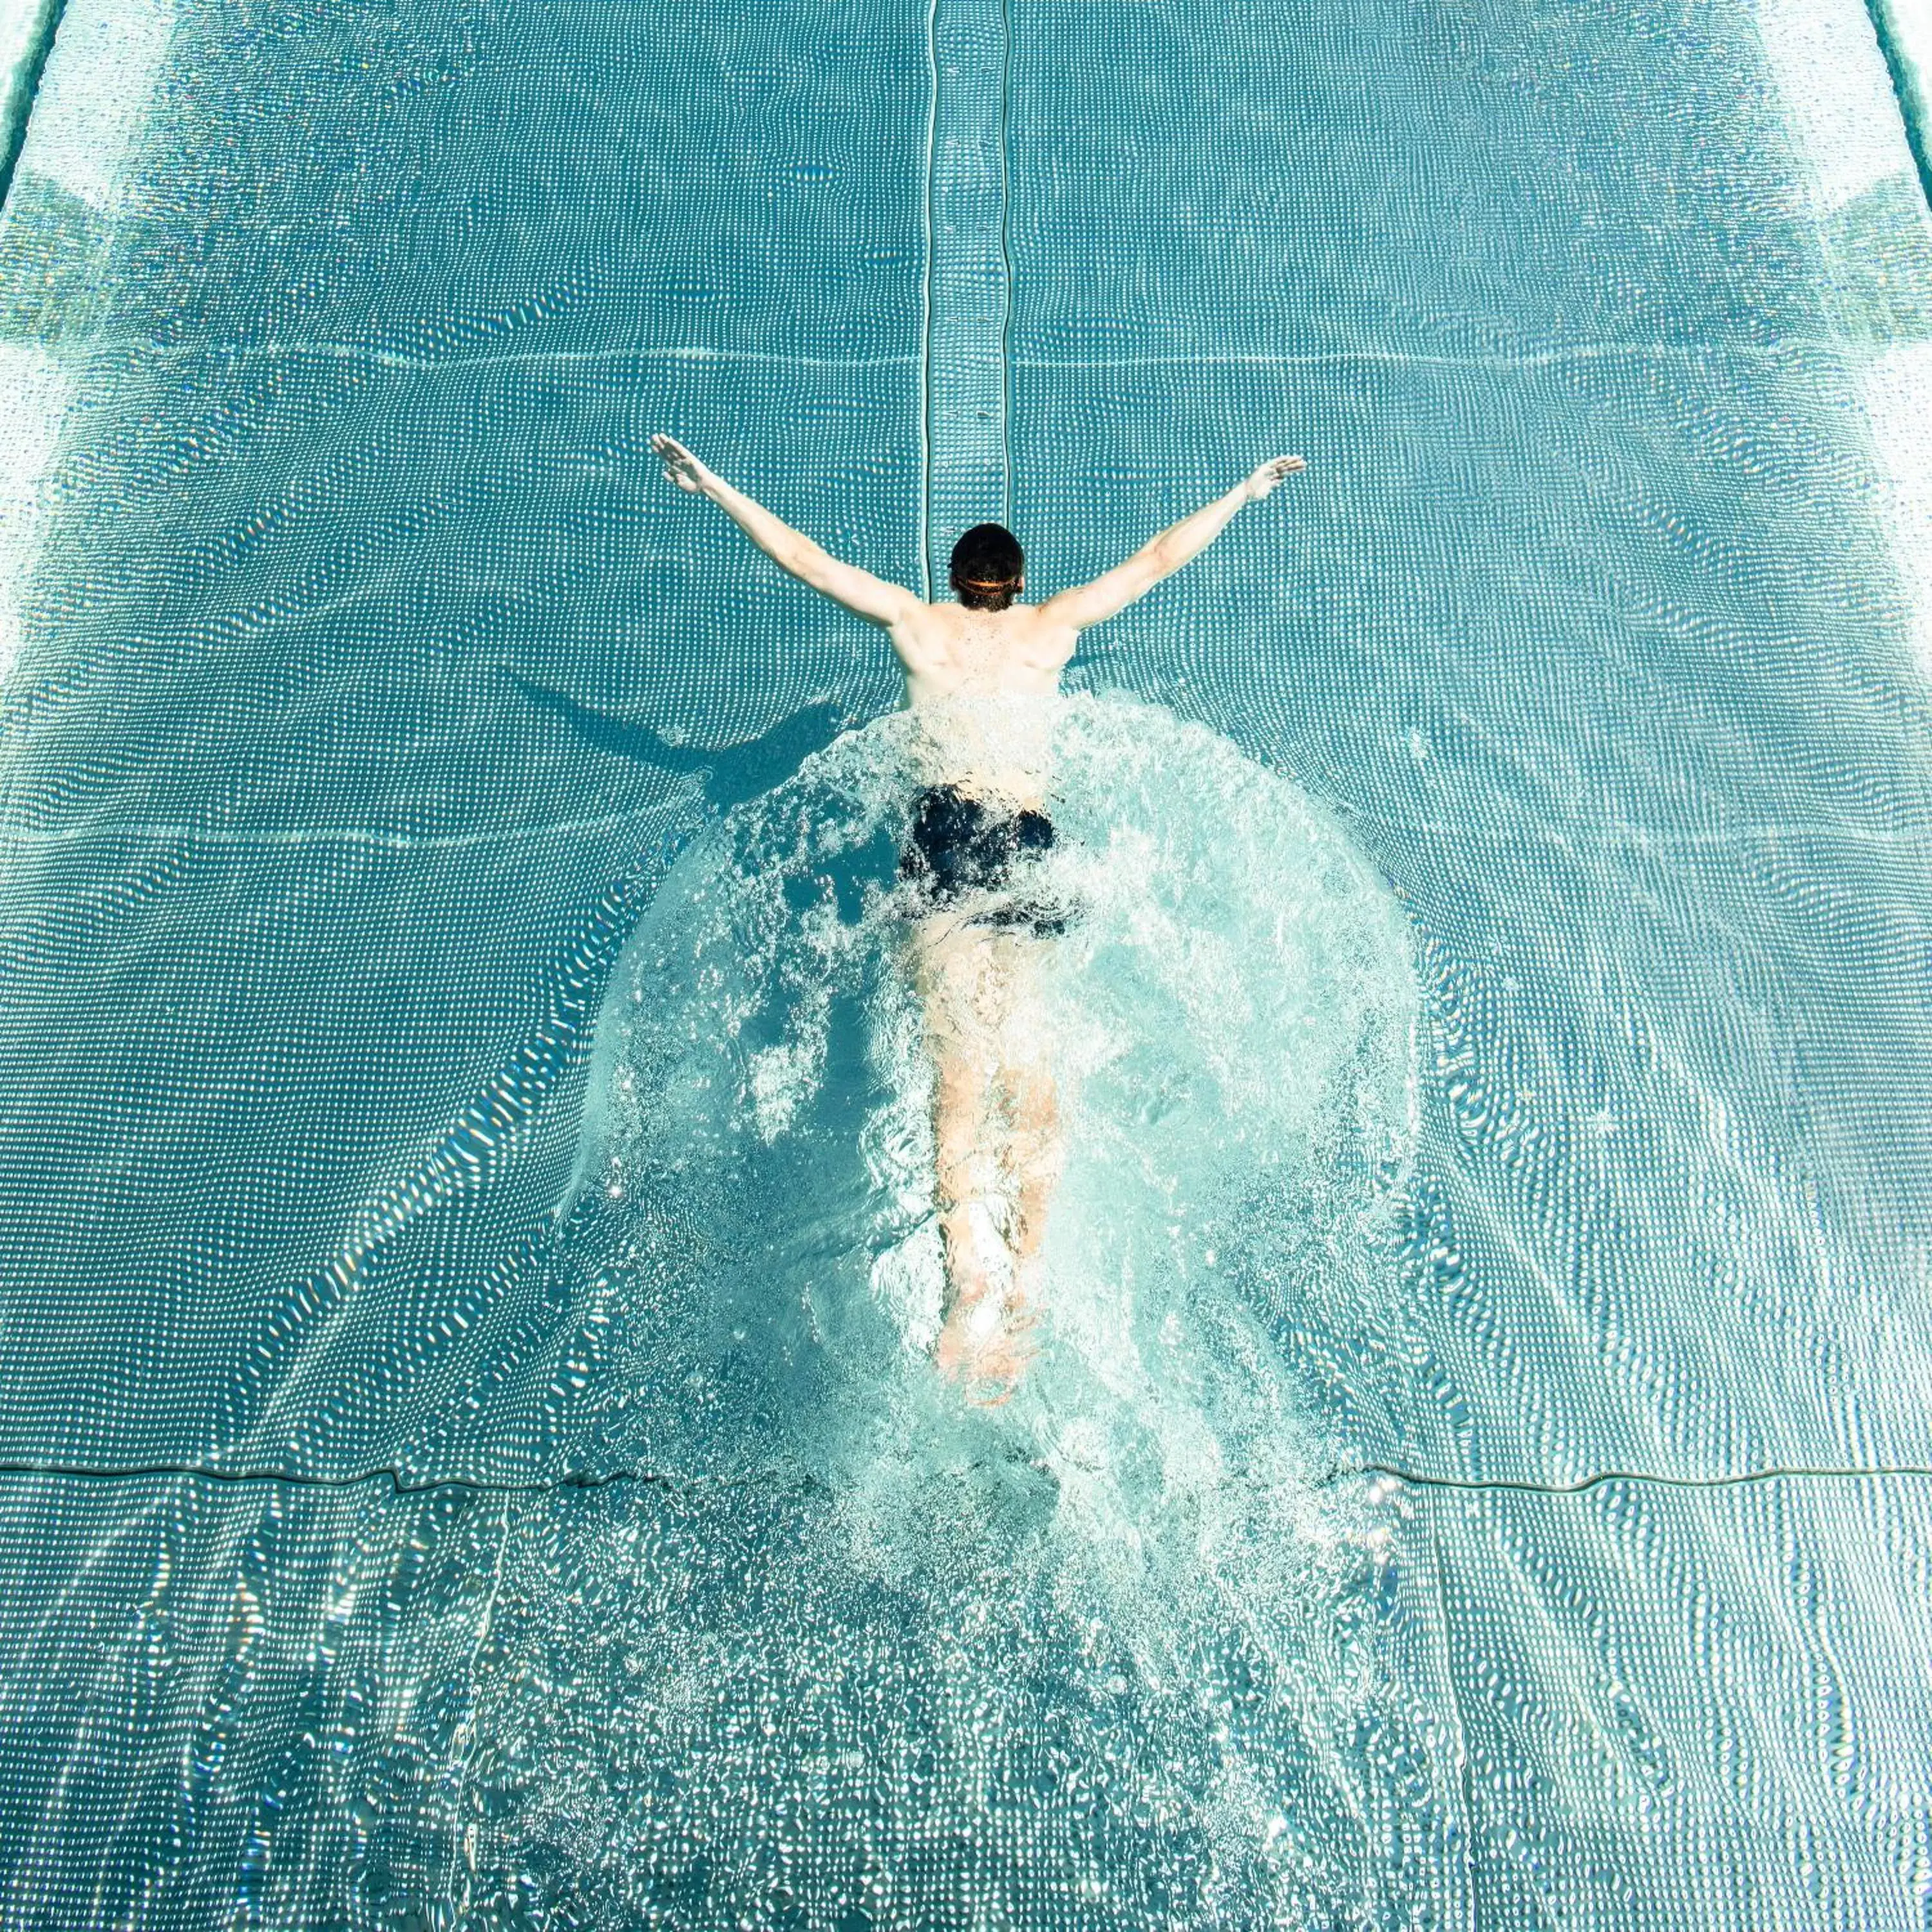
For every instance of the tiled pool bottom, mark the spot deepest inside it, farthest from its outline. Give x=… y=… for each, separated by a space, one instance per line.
x=376 y=705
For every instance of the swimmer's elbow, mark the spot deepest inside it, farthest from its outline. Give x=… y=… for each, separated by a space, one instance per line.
x=803 y=557
x=1160 y=559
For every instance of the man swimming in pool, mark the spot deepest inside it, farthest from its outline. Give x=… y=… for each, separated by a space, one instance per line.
x=979 y=827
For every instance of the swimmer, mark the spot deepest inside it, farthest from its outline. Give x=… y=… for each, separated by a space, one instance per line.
x=980 y=824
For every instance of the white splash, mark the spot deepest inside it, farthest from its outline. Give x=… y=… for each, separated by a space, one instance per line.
x=1230 y=1017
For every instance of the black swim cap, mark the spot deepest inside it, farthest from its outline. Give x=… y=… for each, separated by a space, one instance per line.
x=987 y=564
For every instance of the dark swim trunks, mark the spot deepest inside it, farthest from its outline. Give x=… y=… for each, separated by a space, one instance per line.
x=962 y=847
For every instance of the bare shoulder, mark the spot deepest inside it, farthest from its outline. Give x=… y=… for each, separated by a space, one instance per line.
x=948 y=641
x=1042 y=636
x=921 y=635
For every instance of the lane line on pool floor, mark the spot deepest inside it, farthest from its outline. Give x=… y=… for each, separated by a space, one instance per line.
x=1650 y=1479
x=966 y=471
x=403 y=1485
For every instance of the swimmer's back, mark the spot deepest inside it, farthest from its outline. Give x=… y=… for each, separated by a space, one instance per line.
x=949 y=651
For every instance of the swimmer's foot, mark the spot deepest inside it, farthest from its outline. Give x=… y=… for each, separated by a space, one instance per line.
x=984 y=1342
x=985 y=1345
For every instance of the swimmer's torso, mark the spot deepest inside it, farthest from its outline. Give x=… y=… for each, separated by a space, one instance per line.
x=982 y=682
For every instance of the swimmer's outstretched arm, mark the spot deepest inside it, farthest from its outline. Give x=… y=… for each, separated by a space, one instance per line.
x=870 y=597
x=1180 y=543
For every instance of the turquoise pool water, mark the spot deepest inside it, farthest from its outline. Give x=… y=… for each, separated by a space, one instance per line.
x=463 y=1255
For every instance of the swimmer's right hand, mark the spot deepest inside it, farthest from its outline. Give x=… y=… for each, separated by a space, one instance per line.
x=1262 y=482
x=680 y=467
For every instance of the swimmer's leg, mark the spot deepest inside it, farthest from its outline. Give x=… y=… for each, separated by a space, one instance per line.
x=1035 y=1156
x=983 y=1337
x=961 y=1108
x=961 y=981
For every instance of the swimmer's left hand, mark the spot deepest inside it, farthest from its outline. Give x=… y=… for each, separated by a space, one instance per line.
x=680 y=467
x=1262 y=482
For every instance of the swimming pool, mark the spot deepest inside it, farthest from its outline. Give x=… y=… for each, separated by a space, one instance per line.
x=470 y=1460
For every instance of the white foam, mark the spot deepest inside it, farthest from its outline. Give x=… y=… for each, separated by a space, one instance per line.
x=780 y=1078
x=1229 y=1017
x=1229 y=1022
